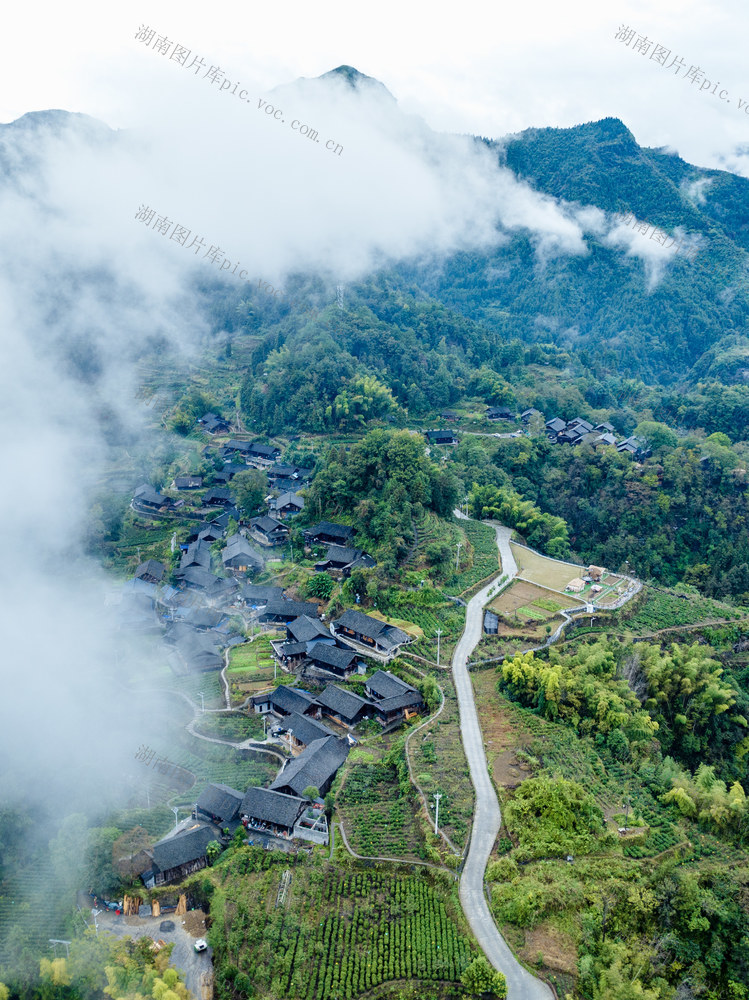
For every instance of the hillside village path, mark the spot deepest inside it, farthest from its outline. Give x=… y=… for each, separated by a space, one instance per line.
x=521 y=985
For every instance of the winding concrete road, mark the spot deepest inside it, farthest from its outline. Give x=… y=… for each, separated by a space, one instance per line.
x=521 y=985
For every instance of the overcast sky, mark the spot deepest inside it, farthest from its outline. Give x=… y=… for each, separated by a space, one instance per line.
x=478 y=67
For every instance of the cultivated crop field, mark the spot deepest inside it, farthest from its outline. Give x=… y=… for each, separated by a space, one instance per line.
x=251 y=667
x=233 y=726
x=478 y=561
x=440 y=765
x=379 y=819
x=529 y=602
x=339 y=934
x=660 y=609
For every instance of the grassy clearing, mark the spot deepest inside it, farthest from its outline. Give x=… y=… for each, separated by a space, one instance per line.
x=252 y=668
x=545 y=572
x=253 y=657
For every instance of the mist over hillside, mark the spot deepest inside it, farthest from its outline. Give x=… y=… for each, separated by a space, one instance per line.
x=441 y=269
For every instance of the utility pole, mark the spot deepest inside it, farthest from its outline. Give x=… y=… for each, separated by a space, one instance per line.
x=202 y=701
x=457 y=558
x=55 y=941
x=437 y=797
x=439 y=633
x=175 y=810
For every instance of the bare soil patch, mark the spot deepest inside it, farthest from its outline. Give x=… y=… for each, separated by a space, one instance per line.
x=194 y=923
x=503 y=735
x=558 y=949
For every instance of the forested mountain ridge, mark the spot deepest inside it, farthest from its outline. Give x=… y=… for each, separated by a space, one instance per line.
x=600 y=163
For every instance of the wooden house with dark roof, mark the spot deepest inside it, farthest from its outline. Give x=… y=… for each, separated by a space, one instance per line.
x=196 y=554
x=281 y=611
x=284 y=700
x=188 y=482
x=269 y=531
x=499 y=413
x=636 y=447
x=334 y=659
x=342 y=559
x=316 y=766
x=290 y=654
x=262 y=455
x=214 y=424
x=234 y=447
x=197 y=578
x=308 y=630
x=343 y=707
x=152 y=571
x=271 y=811
x=381 y=637
x=258 y=596
x=228 y=472
x=199 y=651
x=392 y=698
x=301 y=731
x=441 y=437
x=219 y=803
x=240 y=557
x=555 y=426
x=286 y=505
x=147 y=497
x=218 y=496
x=329 y=533
x=176 y=857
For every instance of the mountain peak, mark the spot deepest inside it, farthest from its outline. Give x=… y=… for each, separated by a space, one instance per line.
x=356 y=80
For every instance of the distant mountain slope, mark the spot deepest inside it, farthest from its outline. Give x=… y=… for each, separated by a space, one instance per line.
x=654 y=321
x=600 y=164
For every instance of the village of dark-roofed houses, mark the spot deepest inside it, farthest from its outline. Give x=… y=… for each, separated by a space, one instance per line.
x=313 y=731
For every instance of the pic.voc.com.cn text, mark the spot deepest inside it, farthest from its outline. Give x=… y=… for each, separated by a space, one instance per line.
x=179 y=54
x=659 y=54
x=178 y=233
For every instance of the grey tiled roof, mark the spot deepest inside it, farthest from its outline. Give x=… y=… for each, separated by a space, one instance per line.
x=314 y=766
x=183 y=848
x=220 y=800
x=268 y=806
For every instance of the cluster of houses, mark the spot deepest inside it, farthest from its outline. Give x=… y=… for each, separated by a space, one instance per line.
x=559 y=431
x=579 y=431
x=194 y=610
x=291 y=808
x=388 y=699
